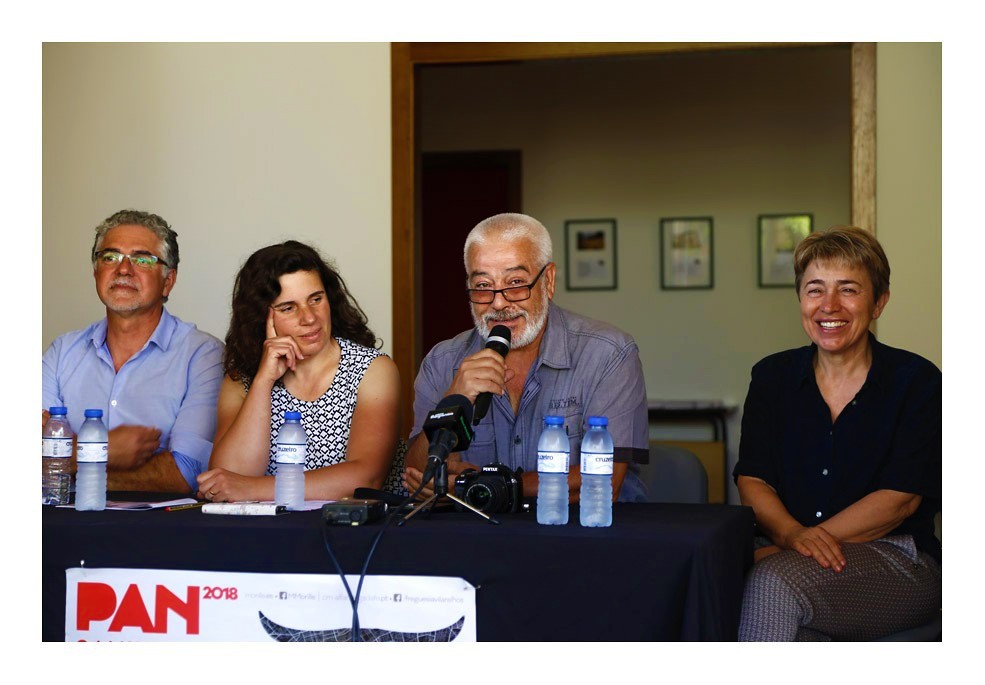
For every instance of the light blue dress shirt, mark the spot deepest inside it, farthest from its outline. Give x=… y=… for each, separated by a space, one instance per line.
x=171 y=384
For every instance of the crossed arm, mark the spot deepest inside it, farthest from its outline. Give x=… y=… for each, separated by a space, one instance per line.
x=132 y=463
x=136 y=460
x=868 y=519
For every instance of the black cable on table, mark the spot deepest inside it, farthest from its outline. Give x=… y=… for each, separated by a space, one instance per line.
x=354 y=600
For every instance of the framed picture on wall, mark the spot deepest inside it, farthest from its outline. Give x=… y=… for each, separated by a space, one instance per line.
x=779 y=235
x=687 y=257
x=591 y=254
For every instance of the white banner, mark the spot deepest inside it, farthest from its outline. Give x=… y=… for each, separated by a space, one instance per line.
x=120 y=604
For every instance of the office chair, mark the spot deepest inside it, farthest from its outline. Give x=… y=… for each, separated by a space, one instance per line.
x=929 y=632
x=675 y=474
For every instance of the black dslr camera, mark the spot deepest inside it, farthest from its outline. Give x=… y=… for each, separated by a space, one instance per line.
x=494 y=489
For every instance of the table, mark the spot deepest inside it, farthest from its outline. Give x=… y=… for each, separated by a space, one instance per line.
x=661 y=572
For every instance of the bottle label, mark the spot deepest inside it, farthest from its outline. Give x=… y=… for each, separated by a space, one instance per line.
x=58 y=448
x=92 y=452
x=596 y=463
x=291 y=454
x=552 y=462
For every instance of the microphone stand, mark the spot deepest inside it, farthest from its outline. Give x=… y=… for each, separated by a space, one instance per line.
x=441 y=490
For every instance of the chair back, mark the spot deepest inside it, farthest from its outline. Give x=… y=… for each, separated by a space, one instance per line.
x=675 y=474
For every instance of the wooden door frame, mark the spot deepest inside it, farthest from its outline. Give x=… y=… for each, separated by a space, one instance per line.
x=405 y=247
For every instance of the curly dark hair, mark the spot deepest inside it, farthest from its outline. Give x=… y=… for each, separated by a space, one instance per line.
x=258 y=285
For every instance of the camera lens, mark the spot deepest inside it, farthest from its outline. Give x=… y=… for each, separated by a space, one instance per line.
x=485 y=497
x=478 y=495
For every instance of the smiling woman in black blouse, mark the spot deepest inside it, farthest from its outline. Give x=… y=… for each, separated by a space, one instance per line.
x=840 y=459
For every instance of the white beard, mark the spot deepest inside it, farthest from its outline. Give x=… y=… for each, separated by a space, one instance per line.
x=529 y=332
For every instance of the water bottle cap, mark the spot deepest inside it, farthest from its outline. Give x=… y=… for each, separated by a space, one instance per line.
x=554 y=420
x=57 y=411
x=598 y=421
x=292 y=416
x=94 y=413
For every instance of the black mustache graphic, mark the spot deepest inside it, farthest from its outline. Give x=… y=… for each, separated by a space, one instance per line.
x=284 y=634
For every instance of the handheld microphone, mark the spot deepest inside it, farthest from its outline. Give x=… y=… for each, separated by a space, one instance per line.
x=447 y=430
x=498 y=341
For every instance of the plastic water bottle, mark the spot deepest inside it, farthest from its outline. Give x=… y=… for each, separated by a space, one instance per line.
x=596 y=474
x=92 y=451
x=552 y=473
x=292 y=447
x=56 y=458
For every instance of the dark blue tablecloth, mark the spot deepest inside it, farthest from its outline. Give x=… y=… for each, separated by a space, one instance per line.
x=661 y=572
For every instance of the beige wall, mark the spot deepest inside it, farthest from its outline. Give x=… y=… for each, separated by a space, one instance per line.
x=241 y=145
x=908 y=193
x=688 y=135
x=236 y=145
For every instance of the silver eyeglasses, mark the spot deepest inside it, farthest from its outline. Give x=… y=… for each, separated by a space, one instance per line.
x=517 y=293
x=140 y=260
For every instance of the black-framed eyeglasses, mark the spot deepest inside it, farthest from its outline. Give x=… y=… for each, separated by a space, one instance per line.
x=140 y=260
x=517 y=293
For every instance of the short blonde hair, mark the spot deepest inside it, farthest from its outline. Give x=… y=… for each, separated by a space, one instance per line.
x=849 y=244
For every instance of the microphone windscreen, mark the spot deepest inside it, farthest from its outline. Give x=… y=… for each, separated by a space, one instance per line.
x=499 y=339
x=457 y=401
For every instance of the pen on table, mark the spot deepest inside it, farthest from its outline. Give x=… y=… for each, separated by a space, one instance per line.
x=179 y=507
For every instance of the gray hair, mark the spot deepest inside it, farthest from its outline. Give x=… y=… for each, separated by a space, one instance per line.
x=152 y=222
x=511 y=227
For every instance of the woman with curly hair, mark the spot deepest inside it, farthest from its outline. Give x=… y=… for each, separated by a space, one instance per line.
x=298 y=341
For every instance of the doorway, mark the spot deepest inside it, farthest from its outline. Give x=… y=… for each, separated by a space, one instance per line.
x=408 y=58
x=458 y=190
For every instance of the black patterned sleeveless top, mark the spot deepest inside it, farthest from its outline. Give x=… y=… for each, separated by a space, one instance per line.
x=327 y=419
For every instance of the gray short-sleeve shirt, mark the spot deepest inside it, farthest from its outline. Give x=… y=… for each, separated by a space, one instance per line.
x=585 y=368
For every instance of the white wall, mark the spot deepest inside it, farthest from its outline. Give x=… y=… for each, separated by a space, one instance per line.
x=236 y=145
x=908 y=193
x=242 y=145
x=686 y=135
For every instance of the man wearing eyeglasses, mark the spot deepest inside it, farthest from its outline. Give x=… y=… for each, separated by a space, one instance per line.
x=559 y=363
x=155 y=377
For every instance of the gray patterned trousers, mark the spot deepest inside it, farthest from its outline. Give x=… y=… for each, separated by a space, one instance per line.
x=886 y=586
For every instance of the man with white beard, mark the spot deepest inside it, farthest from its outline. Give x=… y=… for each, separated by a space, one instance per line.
x=559 y=363
x=155 y=377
